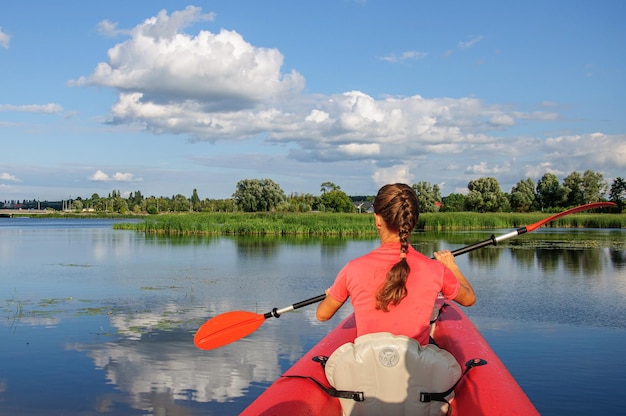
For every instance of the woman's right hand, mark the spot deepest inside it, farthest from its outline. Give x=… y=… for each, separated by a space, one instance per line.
x=465 y=296
x=446 y=258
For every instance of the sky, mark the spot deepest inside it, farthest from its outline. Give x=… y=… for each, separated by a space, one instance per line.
x=164 y=97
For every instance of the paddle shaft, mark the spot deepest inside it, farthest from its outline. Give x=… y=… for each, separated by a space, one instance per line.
x=493 y=240
x=277 y=312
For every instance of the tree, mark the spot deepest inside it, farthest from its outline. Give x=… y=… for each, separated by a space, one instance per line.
x=329 y=186
x=195 y=200
x=253 y=195
x=453 y=203
x=550 y=193
x=299 y=202
x=77 y=205
x=180 y=203
x=335 y=201
x=617 y=193
x=135 y=201
x=573 y=184
x=523 y=195
x=594 y=186
x=485 y=195
x=428 y=196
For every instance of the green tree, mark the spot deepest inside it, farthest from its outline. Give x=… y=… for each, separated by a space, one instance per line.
x=617 y=193
x=222 y=205
x=329 y=186
x=485 y=195
x=523 y=196
x=594 y=187
x=253 y=195
x=136 y=201
x=97 y=203
x=180 y=203
x=77 y=205
x=453 y=203
x=195 y=200
x=573 y=184
x=299 y=203
x=427 y=195
x=163 y=204
x=335 y=201
x=550 y=193
x=120 y=205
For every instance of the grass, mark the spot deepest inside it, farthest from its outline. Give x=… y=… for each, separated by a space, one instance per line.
x=255 y=224
x=319 y=224
x=477 y=221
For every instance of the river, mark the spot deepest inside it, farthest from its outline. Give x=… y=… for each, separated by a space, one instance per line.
x=101 y=321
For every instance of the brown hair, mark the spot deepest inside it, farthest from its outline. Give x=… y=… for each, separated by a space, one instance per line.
x=398 y=207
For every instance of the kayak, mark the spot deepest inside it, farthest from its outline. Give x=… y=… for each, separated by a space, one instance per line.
x=486 y=390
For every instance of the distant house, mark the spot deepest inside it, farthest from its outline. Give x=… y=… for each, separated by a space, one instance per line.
x=364 y=207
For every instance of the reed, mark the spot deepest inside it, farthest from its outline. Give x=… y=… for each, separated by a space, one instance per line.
x=256 y=224
x=350 y=224
x=477 y=221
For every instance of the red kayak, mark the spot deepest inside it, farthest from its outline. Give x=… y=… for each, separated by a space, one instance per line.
x=486 y=390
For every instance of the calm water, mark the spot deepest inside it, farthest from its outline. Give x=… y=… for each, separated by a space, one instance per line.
x=97 y=321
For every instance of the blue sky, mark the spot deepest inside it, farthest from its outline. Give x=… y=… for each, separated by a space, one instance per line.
x=167 y=96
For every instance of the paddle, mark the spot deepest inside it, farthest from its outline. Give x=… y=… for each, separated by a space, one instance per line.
x=231 y=326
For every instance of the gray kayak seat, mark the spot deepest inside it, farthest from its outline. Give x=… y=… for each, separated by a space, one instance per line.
x=395 y=374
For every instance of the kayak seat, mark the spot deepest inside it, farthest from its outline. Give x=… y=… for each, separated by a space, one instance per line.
x=396 y=375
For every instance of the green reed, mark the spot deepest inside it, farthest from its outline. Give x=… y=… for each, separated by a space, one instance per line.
x=476 y=221
x=256 y=224
x=350 y=224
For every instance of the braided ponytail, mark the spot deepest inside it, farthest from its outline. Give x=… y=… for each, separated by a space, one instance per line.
x=398 y=206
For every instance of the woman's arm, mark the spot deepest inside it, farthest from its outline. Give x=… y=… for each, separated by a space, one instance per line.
x=466 y=296
x=327 y=308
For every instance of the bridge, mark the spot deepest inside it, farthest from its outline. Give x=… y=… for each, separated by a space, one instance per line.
x=9 y=213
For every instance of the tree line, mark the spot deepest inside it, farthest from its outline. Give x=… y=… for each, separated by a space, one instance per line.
x=261 y=195
x=547 y=194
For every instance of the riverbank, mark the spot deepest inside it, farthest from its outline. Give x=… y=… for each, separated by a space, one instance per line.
x=351 y=224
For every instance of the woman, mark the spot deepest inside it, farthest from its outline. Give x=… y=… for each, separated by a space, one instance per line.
x=393 y=288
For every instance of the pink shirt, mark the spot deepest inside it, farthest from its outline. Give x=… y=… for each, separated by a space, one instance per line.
x=361 y=278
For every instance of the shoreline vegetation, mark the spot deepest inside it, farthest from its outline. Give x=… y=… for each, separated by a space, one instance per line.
x=336 y=224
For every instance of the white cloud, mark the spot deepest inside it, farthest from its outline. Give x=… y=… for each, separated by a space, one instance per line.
x=33 y=108
x=317 y=116
x=4 y=39
x=122 y=177
x=483 y=168
x=100 y=176
x=8 y=177
x=404 y=56
x=596 y=149
x=393 y=174
x=470 y=42
x=109 y=29
x=203 y=73
x=360 y=149
x=502 y=120
x=537 y=171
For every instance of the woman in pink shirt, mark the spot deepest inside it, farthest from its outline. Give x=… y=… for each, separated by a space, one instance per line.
x=393 y=288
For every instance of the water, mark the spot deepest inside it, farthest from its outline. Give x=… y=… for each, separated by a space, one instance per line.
x=94 y=320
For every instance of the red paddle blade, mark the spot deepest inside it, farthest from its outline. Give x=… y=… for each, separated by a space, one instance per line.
x=226 y=328
x=585 y=207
